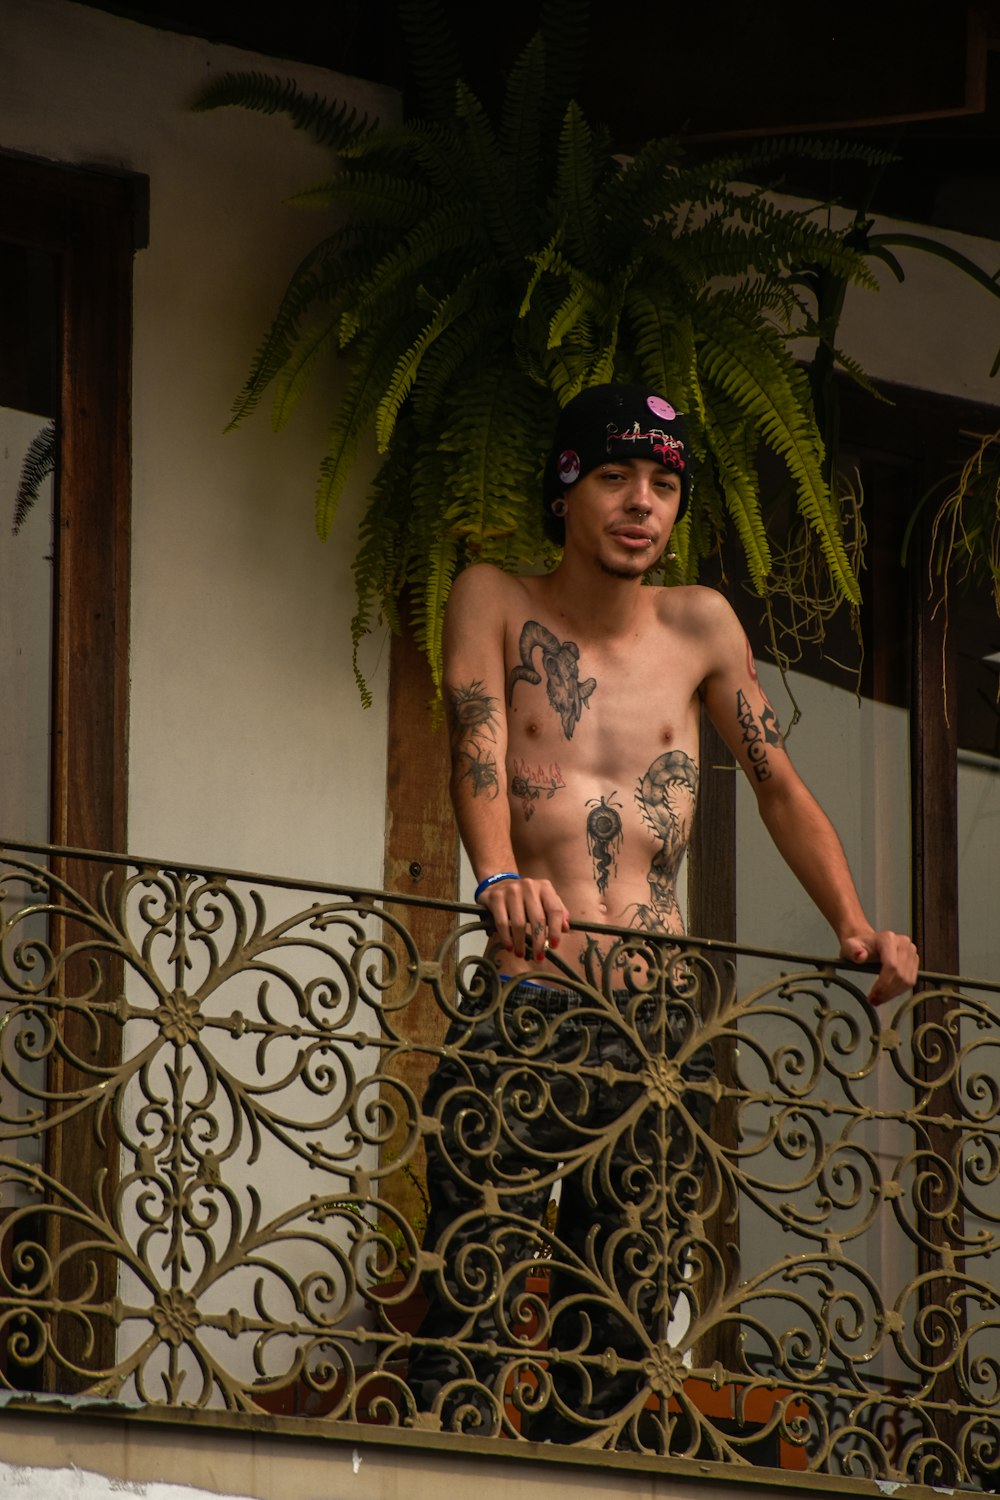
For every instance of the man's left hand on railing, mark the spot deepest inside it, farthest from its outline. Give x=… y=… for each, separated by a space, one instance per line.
x=894 y=951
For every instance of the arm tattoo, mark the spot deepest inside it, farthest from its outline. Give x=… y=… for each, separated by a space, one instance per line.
x=529 y=782
x=758 y=735
x=604 y=837
x=567 y=694
x=666 y=796
x=472 y=722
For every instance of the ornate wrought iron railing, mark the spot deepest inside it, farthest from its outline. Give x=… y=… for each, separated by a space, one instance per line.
x=695 y=1202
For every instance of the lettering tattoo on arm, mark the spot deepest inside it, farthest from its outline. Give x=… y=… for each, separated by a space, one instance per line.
x=604 y=837
x=758 y=734
x=472 y=722
x=529 y=783
x=666 y=796
x=560 y=662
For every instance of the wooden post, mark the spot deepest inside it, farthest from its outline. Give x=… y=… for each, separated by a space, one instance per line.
x=421 y=858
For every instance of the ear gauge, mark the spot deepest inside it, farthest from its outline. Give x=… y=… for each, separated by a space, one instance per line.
x=559 y=507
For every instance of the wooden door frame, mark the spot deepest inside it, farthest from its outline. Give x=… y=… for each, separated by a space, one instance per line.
x=92 y=223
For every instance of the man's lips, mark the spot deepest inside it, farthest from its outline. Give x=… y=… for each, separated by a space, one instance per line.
x=633 y=536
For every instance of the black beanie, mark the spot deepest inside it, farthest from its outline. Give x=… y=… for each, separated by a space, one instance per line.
x=613 y=421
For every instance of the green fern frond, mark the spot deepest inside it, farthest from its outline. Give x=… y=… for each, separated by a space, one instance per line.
x=757 y=375
x=732 y=446
x=454 y=349
x=425 y=149
x=568 y=314
x=328 y=124
x=407 y=368
x=433 y=56
x=306 y=287
x=851 y=367
x=507 y=221
x=38 y=463
x=521 y=120
x=549 y=260
x=576 y=192
x=437 y=236
x=380 y=198
x=639 y=193
x=372 y=368
x=378 y=566
x=564 y=27
x=823 y=148
x=441 y=566
x=292 y=379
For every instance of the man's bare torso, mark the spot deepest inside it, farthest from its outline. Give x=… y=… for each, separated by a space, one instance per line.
x=602 y=756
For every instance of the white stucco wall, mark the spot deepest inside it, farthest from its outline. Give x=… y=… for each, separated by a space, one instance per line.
x=937 y=331
x=248 y=744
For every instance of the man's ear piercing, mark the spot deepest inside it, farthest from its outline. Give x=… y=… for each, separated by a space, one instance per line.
x=559 y=507
x=670 y=557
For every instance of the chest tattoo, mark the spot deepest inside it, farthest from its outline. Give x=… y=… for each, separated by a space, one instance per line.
x=560 y=663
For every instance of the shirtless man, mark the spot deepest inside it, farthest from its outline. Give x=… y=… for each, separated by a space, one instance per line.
x=574 y=702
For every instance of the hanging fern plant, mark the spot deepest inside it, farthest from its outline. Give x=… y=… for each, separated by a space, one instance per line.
x=488 y=269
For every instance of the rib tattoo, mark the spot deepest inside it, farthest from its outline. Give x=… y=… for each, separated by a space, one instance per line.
x=560 y=662
x=666 y=795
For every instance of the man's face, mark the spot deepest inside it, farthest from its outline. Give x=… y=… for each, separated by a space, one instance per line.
x=621 y=514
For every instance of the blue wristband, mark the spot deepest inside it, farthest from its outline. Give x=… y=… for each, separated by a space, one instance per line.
x=484 y=885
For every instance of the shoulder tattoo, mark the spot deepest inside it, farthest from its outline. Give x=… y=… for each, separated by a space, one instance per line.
x=560 y=663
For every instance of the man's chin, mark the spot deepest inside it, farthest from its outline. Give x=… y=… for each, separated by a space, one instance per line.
x=637 y=568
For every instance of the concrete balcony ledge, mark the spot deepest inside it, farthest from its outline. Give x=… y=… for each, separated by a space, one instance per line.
x=76 y=1454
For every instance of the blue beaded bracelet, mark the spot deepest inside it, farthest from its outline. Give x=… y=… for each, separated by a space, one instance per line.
x=494 y=880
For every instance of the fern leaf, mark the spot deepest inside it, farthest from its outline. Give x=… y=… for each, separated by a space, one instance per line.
x=306 y=286
x=563 y=25
x=372 y=369
x=732 y=450
x=768 y=388
x=423 y=149
x=576 y=190
x=509 y=225
x=379 y=198
x=433 y=56
x=328 y=124
x=294 y=375
x=437 y=236
x=441 y=566
x=445 y=313
x=456 y=346
x=520 y=121
x=38 y=463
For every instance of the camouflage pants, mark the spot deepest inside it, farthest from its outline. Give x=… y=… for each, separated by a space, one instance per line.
x=541 y=1085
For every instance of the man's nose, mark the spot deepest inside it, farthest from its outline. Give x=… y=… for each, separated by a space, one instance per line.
x=639 y=497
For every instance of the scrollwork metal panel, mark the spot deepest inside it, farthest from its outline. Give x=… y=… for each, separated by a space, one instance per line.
x=668 y=1213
